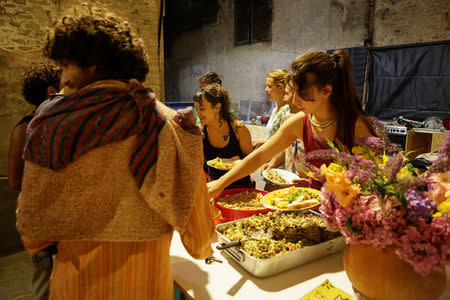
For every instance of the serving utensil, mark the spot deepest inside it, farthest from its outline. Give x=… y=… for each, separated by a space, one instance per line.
x=256 y=235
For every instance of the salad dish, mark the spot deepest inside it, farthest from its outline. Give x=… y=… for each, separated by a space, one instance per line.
x=225 y=164
x=271 y=243
x=279 y=177
x=292 y=198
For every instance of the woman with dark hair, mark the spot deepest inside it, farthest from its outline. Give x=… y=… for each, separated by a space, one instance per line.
x=223 y=135
x=326 y=96
x=40 y=81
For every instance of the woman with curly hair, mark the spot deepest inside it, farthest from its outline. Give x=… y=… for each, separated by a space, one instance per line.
x=102 y=161
x=223 y=135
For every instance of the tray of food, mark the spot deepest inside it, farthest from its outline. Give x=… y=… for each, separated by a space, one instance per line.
x=240 y=203
x=279 y=177
x=224 y=164
x=271 y=243
x=292 y=198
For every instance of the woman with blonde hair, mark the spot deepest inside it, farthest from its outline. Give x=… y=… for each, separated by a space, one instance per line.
x=325 y=93
x=275 y=85
x=223 y=135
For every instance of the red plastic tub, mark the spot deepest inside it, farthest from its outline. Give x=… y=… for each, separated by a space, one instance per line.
x=231 y=214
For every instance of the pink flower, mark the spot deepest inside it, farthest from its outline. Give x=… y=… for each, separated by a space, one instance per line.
x=426 y=246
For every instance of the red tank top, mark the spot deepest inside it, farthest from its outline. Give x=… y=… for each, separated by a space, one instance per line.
x=312 y=144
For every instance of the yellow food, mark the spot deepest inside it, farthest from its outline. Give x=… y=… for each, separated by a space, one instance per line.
x=222 y=163
x=292 y=198
x=275 y=177
x=245 y=200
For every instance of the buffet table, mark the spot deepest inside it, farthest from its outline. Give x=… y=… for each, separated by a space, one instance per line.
x=227 y=280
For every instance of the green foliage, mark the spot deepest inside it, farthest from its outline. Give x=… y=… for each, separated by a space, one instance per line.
x=350 y=227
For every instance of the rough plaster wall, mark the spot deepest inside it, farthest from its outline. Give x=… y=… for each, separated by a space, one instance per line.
x=297 y=26
x=411 y=21
x=22 y=35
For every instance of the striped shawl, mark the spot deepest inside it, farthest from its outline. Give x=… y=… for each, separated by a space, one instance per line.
x=110 y=163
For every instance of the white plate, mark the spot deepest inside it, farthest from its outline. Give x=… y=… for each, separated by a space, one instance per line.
x=286 y=175
x=225 y=160
x=431 y=157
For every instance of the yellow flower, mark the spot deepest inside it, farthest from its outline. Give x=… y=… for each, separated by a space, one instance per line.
x=360 y=151
x=443 y=207
x=404 y=172
x=339 y=184
x=384 y=160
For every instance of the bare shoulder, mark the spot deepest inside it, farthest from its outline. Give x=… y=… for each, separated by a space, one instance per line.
x=19 y=131
x=362 y=127
x=239 y=126
x=294 y=121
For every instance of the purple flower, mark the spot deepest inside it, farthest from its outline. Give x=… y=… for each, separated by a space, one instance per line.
x=359 y=168
x=418 y=205
x=380 y=143
x=414 y=182
x=392 y=167
x=376 y=225
x=374 y=143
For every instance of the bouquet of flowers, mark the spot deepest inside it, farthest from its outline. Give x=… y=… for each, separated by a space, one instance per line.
x=377 y=200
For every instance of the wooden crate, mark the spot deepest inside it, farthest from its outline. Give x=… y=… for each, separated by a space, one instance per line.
x=421 y=140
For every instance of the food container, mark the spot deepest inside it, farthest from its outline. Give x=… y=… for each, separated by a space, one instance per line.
x=230 y=214
x=258 y=120
x=284 y=174
x=264 y=119
x=270 y=266
x=216 y=214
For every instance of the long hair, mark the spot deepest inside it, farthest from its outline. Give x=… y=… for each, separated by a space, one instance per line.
x=334 y=70
x=215 y=93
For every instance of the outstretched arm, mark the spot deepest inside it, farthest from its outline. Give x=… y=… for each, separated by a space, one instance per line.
x=285 y=136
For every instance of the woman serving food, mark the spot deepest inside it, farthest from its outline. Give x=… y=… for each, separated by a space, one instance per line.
x=224 y=137
x=330 y=109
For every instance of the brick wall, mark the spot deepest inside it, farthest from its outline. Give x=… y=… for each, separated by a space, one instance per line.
x=23 y=26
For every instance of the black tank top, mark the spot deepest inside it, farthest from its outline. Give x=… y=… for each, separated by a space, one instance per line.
x=230 y=150
x=25 y=119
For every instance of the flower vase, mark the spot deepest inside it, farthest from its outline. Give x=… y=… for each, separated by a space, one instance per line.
x=382 y=275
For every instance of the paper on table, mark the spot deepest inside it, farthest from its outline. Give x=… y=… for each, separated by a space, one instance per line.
x=327 y=291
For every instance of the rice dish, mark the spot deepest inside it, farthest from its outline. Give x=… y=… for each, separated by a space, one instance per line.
x=290 y=231
x=244 y=200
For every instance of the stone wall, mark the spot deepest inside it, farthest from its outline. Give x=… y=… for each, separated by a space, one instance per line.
x=297 y=26
x=23 y=26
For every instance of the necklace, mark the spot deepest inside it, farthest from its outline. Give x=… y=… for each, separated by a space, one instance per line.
x=323 y=125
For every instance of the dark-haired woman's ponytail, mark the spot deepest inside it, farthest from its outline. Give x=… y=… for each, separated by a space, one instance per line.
x=349 y=107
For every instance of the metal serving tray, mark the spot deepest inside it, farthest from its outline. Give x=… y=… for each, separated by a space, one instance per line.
x=270 y=266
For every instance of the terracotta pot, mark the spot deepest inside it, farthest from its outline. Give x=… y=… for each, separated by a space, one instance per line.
x=381 y=274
